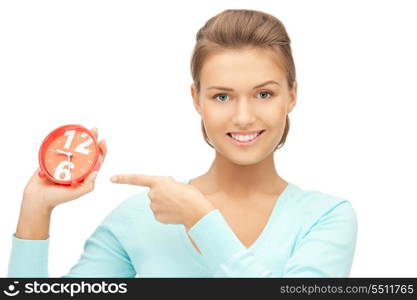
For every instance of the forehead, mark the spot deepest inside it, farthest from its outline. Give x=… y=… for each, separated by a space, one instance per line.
x=242 y=65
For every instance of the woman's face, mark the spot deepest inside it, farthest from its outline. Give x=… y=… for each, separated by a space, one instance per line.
x=236 y=105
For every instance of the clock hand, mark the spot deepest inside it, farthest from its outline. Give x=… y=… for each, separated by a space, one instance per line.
x=69 y=155
x=61 y=152
x=69 y=163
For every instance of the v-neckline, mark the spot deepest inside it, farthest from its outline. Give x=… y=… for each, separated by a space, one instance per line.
x=279 y=202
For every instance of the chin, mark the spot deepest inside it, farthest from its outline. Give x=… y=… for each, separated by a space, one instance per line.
x=246 y=162
x=245 y=159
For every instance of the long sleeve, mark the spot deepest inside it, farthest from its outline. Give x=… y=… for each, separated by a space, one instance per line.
x=103 y=256
x=325 y=250
x=28 y=258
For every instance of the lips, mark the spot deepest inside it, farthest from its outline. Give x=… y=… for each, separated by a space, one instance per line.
x=246 y=137
x=245 y=133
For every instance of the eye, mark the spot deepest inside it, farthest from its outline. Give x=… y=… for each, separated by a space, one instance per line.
x=225 y=95
x=265 y=92
x=215 y=96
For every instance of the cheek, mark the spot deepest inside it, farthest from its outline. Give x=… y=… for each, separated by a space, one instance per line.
x=214 y=119
x=275 y=116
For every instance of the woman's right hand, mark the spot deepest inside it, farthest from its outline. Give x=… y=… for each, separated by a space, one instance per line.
x=41 y=192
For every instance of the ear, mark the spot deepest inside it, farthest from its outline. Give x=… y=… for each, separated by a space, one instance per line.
x=196 y=101
x=293 y=97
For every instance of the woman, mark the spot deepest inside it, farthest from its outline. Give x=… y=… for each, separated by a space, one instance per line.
x=240 y=218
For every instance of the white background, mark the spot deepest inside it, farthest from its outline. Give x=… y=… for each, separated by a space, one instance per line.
x=123 y=66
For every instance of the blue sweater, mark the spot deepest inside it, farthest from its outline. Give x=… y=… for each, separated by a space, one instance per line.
x=309 y=234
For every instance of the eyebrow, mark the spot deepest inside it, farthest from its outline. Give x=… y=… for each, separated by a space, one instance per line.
x=255 y=87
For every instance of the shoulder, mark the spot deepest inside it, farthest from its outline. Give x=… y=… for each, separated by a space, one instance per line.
x=134 y=212
x=316 y=207
x=132 y=205
x=128 y=212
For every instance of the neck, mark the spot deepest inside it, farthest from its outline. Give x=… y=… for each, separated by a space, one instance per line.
x=242 y=181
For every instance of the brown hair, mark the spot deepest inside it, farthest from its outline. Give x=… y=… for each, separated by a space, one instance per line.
x=238 y=29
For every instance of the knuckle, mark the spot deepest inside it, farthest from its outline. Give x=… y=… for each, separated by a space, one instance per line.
x=159 y=218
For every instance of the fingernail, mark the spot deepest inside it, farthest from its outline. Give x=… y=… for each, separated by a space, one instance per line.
x=113 y=178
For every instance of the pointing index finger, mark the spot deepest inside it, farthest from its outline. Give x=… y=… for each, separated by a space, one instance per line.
x=135 y=179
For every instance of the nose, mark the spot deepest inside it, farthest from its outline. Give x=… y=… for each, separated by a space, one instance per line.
x=243 y=114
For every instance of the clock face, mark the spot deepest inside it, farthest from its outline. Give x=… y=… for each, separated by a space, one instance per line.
x=69 y=153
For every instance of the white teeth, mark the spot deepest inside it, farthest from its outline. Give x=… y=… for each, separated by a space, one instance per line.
x=245 y=138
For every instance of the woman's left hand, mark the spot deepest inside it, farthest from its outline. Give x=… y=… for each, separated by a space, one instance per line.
x=172 y=202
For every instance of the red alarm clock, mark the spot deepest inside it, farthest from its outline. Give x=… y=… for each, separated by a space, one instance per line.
x=69 y=154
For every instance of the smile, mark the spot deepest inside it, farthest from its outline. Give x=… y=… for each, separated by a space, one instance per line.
x=245 y=138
